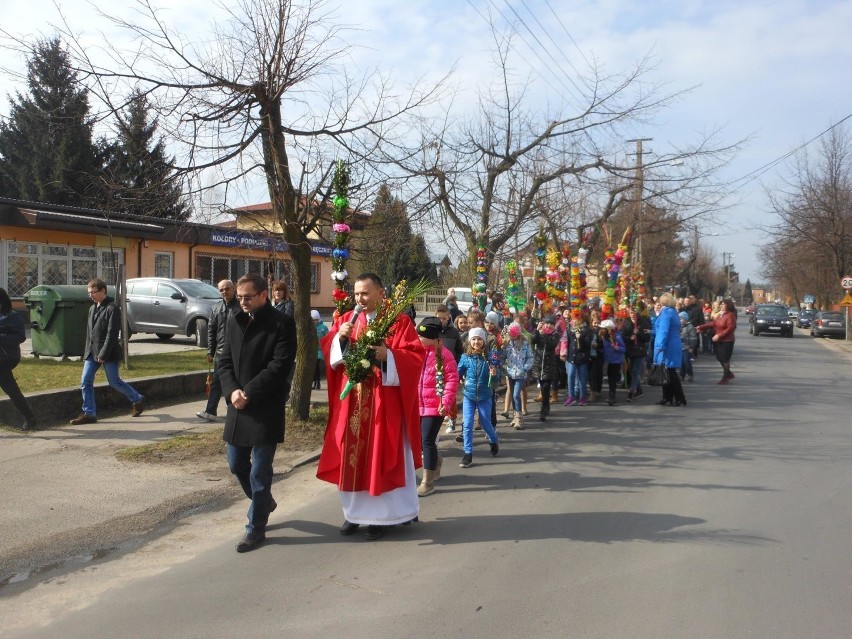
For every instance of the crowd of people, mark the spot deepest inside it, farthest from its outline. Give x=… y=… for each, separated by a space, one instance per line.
x=464 y=359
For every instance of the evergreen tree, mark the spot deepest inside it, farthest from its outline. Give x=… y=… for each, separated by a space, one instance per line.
x=403 y=254
x=46 y=148
x=137 y=173
x=748 y=295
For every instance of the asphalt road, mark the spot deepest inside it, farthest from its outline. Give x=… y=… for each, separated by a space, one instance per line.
x=731 y=517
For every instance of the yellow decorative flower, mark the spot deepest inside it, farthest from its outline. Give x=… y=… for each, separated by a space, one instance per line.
x=365 y=363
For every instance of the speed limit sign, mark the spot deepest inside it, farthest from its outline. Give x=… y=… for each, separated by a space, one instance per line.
x=846 y=282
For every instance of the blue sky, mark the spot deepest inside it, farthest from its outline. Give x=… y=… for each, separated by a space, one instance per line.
x=775 y=72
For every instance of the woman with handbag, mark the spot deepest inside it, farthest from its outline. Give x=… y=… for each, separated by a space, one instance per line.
x=636 y=332
x=668 y=350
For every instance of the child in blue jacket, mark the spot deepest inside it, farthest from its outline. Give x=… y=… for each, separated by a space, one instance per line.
x=476 y=372
x=613 y=356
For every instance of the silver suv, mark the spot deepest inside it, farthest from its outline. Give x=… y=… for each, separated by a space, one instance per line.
x=167 y=307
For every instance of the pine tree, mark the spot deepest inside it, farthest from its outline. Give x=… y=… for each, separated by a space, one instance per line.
x=136 y=175
x=403 y=254
x=46 y=148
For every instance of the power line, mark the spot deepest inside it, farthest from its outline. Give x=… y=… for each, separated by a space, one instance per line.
x=559 y=20
x=754 y=175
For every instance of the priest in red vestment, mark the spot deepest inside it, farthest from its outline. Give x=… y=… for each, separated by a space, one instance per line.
x=372 y=439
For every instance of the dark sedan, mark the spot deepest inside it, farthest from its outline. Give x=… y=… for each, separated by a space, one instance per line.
x=828 y=324
x=770 y=318
x=805 y=317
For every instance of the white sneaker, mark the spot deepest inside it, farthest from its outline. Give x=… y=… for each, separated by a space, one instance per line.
x=207 y=417
x=451 y=428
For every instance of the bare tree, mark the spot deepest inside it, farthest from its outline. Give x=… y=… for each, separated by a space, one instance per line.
x=811 y=243
x=266 y=94
x=491 y=179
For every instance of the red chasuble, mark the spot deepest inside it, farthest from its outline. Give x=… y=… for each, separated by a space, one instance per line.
x=363 y=446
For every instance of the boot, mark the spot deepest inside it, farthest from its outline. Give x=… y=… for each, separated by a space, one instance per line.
x=554 y=396
x=518 y=424
x=427 y=485
x=539 y=398
x=594 y=396
x=436 y=474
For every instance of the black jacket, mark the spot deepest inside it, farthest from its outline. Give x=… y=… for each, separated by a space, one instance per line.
x=102 y=330
x=545 y=359
x=12 y=335
x=451 y=338
x=636 y=341
x=216 y=327
x=257 y=358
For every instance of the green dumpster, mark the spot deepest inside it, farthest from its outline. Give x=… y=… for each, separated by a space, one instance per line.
x=58 y=317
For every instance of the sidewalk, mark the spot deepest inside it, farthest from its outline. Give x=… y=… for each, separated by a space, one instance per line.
x=66 y=494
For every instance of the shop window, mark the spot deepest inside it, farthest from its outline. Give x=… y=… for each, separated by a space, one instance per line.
x=29 y=264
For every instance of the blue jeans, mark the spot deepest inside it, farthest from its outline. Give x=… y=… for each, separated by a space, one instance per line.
x=635 y=373
x=483 y=407
x=686 y=366
x=90 y=367
x=517 y=386
x=252 y=466
x=578 y=378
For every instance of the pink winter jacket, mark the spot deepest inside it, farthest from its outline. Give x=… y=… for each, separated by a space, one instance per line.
x=429 y=401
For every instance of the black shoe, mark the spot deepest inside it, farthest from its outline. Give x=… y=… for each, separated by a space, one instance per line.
x=467 y=460
x=410 y=521
x=29 y=424
x=638 y=393
x=663 y=402
x=272 y=505
x=459 y=438
x=374 y=533
x=250 y=541
x=680 y=402
x=495 y=448
x=542 y=417
x=348 y=528
x=610 y=401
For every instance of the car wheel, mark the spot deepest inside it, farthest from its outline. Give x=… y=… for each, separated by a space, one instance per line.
x=790 y=334
x=165 y=336
x=201 y=333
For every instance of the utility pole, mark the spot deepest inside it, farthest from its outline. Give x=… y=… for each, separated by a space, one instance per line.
x=639 y=187
x=727 y=263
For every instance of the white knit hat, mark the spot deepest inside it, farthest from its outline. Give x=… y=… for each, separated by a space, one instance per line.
x=477 y=332
x=315 y=315
x=492 y=317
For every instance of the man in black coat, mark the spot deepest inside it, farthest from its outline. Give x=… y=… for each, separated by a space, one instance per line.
x=103 y=349
x=260 y=345
x=216 y=344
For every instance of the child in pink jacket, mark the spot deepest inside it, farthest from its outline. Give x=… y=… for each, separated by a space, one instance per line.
x=439 y=383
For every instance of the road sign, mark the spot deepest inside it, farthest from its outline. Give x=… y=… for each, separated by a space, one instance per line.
x=847 y=300
x=809 y=299
x=846 y=282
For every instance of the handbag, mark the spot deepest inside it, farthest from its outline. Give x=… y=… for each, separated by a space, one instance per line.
x=659 y=375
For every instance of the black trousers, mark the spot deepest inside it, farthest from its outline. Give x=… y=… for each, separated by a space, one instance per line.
x=429 y=427
x=596 y=370
x=10 y=386
x=673 y=391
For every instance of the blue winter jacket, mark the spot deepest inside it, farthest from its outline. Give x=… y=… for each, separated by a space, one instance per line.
x=613 y=355
x=667 y=346
x=474 y=370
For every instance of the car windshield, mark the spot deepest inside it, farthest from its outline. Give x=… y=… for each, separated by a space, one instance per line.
x=771 y=310
x=807 y=313
x=194 y=288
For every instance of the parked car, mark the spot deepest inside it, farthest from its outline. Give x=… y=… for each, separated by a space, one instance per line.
x=828 y=323
x=750 y=309
x=770 y=318
x=793 y=312
x=167 y=307
x=804 y=318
